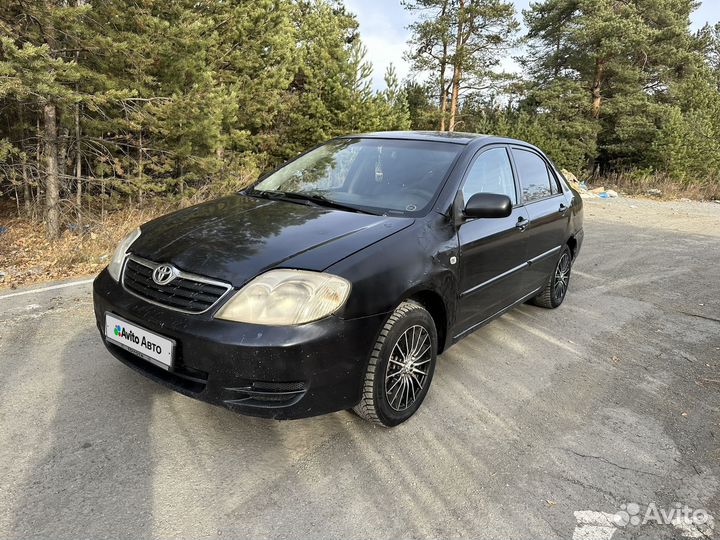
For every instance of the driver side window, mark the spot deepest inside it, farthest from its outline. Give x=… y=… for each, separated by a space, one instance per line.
x=491 y=172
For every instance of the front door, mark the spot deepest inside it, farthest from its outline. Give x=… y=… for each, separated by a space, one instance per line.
x=493 y=254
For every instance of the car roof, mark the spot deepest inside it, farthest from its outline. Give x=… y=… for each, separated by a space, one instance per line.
x=455 y=137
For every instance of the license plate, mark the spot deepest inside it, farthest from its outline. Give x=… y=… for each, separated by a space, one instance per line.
x=138 y=340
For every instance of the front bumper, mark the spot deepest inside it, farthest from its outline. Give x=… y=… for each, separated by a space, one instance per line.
x=272 y=372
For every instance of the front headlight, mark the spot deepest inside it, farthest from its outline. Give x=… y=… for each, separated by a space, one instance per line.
x=118 y=257
x=287 y=297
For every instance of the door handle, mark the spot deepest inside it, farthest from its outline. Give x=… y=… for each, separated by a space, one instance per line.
x=522 y=223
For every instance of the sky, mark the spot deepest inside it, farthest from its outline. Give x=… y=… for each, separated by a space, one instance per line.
x=383 y=31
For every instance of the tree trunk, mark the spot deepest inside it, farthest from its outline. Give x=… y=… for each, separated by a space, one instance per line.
x=52 y=181
x=13 y=180
x=597 y=86
x=102 y=197
x=140 y=169
x=63 y=141
x=443 y=91
x=51 y=142
x=457 y=68
x=454 y=97
x=26 y=187
x=78 y=152
x=443 y=68
x=78 y=166
x=23 y=164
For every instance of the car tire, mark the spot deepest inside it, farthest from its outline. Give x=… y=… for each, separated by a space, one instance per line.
x=557 y=283
x=401 y=367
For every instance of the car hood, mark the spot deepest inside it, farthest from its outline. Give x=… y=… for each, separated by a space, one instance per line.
x=238 y=237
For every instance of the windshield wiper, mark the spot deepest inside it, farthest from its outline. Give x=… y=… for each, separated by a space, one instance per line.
x=315 y=198
x=265 y=193
x=322 y=200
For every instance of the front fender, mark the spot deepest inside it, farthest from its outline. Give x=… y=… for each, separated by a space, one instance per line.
x=413 y=261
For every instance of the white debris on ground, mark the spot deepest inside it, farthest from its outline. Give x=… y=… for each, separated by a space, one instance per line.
x=585 y=191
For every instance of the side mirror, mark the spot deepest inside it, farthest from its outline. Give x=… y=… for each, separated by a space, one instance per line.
x=488 y=205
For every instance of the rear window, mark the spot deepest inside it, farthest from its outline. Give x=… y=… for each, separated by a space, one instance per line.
x=534 y=175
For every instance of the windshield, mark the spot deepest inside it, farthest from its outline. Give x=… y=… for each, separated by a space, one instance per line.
x=385 y=176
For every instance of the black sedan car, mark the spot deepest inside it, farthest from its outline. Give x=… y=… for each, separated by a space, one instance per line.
x=335 y=281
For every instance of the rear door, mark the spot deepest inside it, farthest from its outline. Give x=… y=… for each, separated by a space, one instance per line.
x=493 y=254
x=548 y=212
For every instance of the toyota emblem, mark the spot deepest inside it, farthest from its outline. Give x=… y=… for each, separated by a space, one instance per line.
x=164 y=274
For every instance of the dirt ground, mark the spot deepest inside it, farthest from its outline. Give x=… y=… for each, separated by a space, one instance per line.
x=677 y=216
x=543 y=424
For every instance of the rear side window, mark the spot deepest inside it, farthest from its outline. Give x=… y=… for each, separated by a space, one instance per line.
x=555 y=186
x=491 y=172
x=534 y=175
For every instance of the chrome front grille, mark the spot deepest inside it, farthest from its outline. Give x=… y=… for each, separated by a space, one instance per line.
x=188 y=293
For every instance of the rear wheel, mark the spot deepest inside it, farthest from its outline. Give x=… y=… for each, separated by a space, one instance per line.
x=557 y=284
x=401 y=367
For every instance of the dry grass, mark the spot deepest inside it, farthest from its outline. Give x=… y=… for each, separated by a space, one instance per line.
x=27 y=256
x=636 y=183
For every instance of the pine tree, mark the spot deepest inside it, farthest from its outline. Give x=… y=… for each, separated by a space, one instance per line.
x=429 y=44
x=393 y=103
x=40 y=73
x=688 y=144
x=461 y=42
x=421 y=108
x=360 y=115
x=483 y=31
x=623 y=55
x=710 y=35
x=330 y=93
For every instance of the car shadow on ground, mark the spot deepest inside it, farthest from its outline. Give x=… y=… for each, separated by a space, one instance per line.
x=96 y=476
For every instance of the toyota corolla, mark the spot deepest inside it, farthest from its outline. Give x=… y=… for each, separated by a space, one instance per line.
x=335 y=281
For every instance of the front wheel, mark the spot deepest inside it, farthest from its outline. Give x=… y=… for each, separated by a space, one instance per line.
x=556 y=286
x=401 y=367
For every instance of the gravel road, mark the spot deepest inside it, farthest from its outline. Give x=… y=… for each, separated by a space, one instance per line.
x=543 y=424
